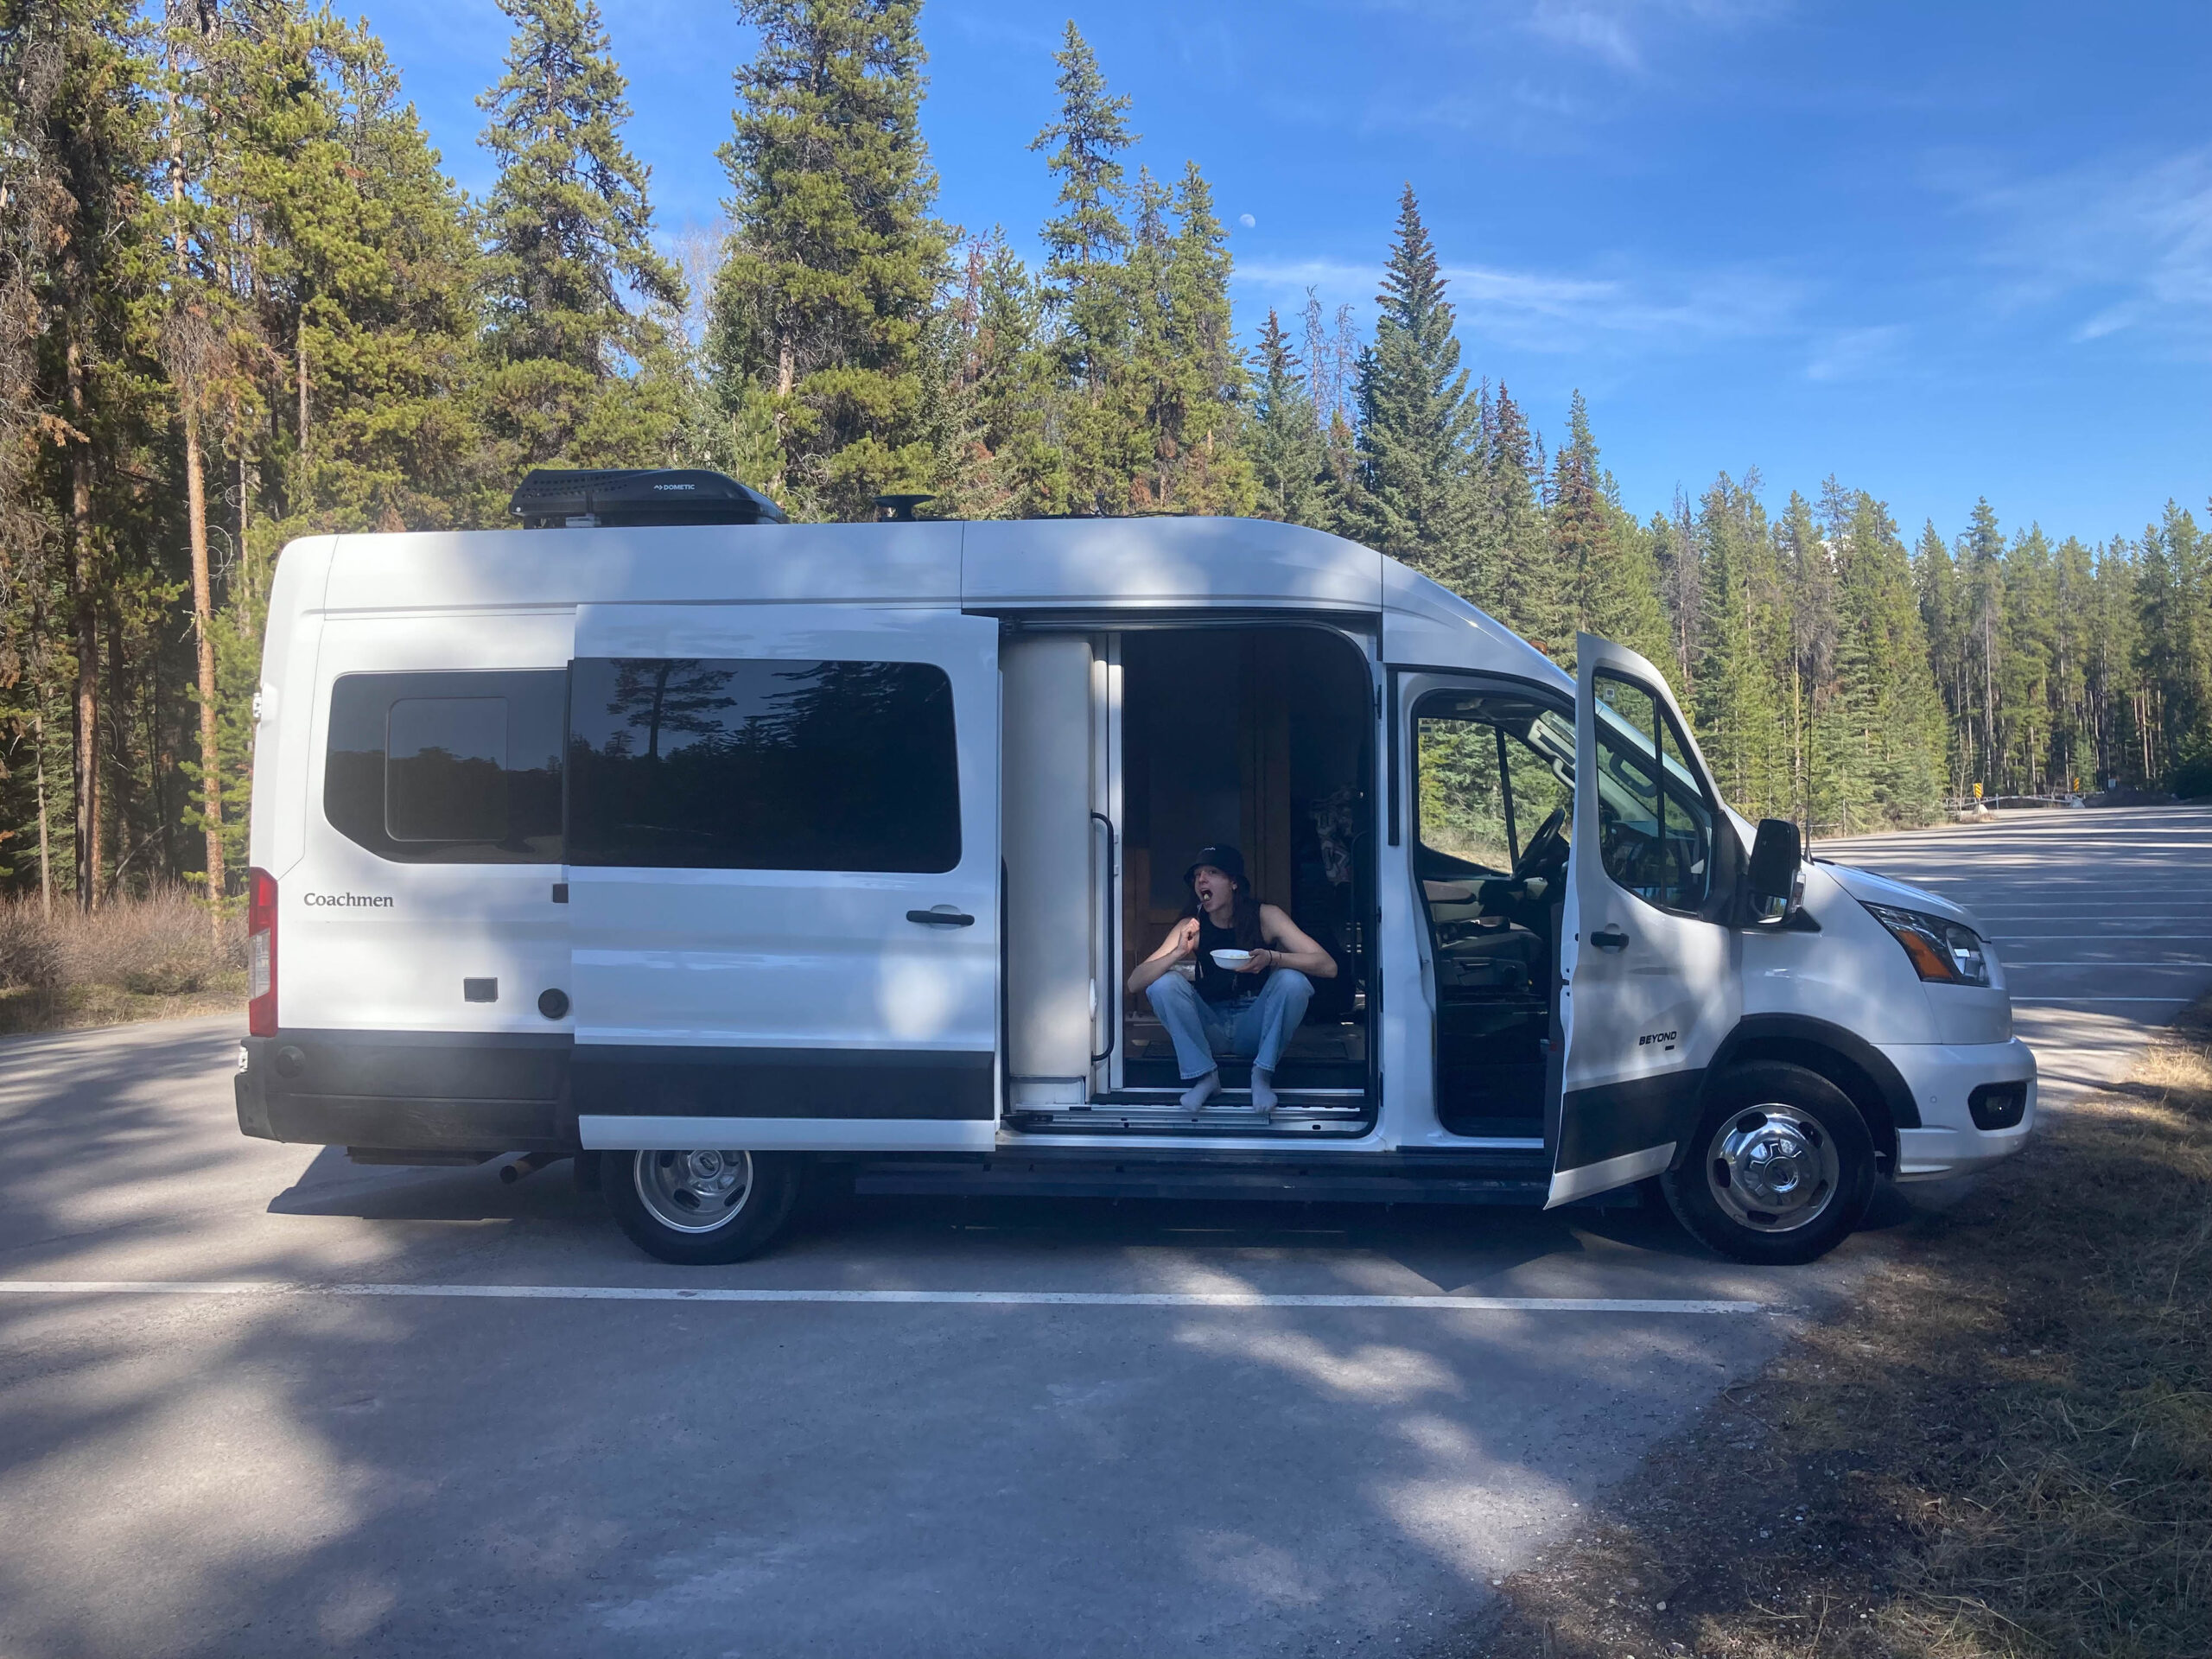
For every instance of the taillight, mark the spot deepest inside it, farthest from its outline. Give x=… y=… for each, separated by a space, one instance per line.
x=261 y=953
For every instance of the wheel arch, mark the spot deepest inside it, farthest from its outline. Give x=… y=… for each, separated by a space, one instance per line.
x=1862 y=1072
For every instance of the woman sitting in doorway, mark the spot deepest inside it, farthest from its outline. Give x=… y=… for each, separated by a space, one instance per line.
x=1246 y=1005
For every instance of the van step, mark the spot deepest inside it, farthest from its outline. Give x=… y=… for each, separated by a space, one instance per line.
x=1017 y=1178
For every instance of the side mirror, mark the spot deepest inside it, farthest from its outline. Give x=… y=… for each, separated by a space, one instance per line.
x=1777 y=856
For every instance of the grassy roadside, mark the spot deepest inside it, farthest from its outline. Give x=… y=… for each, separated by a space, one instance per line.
x=26 y=1008
x=2004 y=1449
x=156 y=956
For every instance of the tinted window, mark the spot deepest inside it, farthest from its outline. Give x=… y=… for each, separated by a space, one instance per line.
x=1654 y=825
x=741 y=765
x=448 y=768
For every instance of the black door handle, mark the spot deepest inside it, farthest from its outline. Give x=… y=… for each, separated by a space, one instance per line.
x=1610 y=939
x=941 y=918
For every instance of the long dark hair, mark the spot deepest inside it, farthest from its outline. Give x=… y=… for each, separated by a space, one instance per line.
x=1244 y=918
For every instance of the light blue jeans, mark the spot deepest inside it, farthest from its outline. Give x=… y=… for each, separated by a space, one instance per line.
x=1254 y=1026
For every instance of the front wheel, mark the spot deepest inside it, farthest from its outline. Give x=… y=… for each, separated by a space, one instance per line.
x=1780 y=1169
x=699 y=1208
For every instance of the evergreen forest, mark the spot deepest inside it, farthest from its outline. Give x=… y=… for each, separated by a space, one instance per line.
x=242 y=302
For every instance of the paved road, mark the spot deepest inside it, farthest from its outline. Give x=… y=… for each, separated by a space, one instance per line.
x=256 y=1473
x=2103 y=919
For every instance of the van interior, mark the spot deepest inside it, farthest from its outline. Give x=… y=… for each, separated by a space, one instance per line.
x=1262 y=737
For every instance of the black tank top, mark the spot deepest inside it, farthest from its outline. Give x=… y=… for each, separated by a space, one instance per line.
x=1217 y=983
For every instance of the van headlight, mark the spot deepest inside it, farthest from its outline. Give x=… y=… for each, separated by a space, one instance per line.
x=1940 y=949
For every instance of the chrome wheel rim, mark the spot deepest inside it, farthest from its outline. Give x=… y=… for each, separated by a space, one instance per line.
x=1773 y=1168
x=693 y=1192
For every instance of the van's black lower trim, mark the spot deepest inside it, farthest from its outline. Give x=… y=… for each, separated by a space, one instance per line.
x=1615 y=1119
x=647 y=1081
x=453 y=1091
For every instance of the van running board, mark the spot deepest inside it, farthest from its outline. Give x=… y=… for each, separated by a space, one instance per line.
x=1017 y=1177
x=1154 y=1112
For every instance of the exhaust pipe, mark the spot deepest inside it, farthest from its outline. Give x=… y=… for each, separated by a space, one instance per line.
x=529 y=1164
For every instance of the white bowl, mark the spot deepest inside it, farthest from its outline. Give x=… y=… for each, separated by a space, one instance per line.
x=1231 y=958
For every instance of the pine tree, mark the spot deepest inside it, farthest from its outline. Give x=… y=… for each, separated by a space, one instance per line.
x=578 y=299
x=1087 y=292
x=1981 y=564
x=1675 y=550
x=1526 y=591
x=1879 y=612
x=2026 y=663
x=1736 y=708
x=362 y=262
x=1416 y=421
x=1184 y=385
x=1288 y=460
x=83 y=147
x=1598 y=553
x=2072 y=728
x=1087 y=239
x=835 y=259
x=2174 y=646
x=1935 y=582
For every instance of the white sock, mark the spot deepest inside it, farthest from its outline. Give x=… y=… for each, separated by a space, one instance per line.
x=1202 y=1091
x=1263 y=1091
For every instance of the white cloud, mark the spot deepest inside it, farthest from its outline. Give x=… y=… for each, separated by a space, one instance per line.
x=1559 y=313
x=1855 y=354
x=2125 y=246
x=1618 y=31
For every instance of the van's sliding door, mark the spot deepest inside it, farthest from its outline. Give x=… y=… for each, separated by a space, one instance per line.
x=783 y=837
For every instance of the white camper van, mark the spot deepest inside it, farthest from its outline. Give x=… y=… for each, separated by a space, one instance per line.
x=703 y=847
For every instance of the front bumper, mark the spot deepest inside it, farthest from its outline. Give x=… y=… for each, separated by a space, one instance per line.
x=1943 y=1078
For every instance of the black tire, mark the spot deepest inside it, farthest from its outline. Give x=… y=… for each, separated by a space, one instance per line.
x=757 y=1208
x=1780 y=1169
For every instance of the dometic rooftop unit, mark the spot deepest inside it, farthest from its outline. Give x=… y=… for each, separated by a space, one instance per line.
x=565 y=498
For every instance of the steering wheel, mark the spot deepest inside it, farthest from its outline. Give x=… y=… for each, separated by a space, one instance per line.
x=1546 y=849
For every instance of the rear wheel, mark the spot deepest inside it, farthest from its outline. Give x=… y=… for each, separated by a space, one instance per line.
x=703 y=1207
x=1780 y=1168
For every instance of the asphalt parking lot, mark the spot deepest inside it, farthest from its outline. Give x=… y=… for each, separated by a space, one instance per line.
x=416 y=1411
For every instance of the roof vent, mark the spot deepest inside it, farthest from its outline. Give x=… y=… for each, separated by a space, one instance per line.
x=562 y=498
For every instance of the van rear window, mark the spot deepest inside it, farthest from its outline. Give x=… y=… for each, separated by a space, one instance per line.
x=733 y=764
x=460 y=768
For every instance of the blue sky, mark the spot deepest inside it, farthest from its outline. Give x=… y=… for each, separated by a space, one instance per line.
x=1940 y=250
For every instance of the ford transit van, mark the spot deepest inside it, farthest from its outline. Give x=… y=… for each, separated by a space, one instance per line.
x=703 y=848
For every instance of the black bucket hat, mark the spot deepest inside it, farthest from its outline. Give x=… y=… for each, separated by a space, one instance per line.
x=1224 y=858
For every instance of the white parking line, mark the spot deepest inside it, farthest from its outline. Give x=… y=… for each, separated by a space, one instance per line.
x=904 y=1297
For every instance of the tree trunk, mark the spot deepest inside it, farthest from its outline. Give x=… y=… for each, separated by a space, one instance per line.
x=300 y=348
x=119 y=789
x=195 y=494
x=85 y=626
x=44 y=851
x=203 y=621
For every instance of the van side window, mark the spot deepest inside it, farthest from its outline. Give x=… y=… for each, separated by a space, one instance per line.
x=460 y=768
x=736 y=764
x=1655 y=823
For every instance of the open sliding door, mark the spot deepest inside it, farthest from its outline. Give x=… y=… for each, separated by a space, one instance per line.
x=783 y=842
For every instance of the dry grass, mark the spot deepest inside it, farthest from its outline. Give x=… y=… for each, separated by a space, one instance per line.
x=140 y=958
x=2004 y=1449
